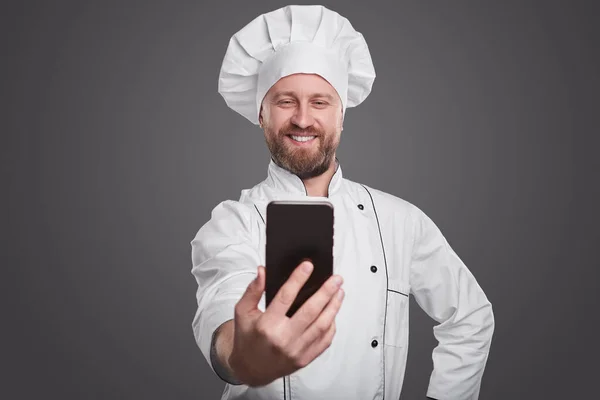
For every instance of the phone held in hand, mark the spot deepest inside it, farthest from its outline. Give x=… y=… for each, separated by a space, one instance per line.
x=298 y=231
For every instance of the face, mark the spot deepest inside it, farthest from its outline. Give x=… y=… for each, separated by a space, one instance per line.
x=302 y=118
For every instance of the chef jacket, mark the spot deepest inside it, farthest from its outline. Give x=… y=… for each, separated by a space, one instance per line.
x=385 y=248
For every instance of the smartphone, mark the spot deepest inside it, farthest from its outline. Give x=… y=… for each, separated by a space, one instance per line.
x=298 y=231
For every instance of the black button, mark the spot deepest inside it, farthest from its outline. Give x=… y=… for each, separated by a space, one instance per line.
x=374 y=343
x=373 y=268
x=360 y=207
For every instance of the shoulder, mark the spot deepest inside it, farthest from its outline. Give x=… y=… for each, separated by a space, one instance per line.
x=384 y=202
x=394 y=211
x=230 y=232
x=233 y=210
x=228 y=218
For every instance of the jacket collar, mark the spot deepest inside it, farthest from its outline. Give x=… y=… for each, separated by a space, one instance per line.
x=282 y=180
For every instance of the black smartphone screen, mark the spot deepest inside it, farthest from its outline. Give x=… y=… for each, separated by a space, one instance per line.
x=296 y=231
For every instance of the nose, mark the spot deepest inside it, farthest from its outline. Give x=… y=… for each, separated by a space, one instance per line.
x=302 y=117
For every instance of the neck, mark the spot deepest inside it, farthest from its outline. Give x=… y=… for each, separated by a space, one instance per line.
x=319 y=185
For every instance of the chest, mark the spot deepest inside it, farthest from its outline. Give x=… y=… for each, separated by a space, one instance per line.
x=371 y=248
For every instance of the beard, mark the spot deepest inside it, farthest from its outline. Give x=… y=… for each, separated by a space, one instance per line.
x=303 y=162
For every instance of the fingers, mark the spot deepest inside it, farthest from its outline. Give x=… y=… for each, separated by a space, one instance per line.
x=252 y=295
x=287 y=293
x=312 y=308
x=318 y=346
x=323 y=323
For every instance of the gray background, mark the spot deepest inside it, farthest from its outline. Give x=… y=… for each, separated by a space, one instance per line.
x=116 y=147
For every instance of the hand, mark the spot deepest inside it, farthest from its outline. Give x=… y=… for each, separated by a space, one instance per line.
x=269 y=345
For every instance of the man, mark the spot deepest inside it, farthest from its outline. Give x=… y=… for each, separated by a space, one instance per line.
x=294 y=71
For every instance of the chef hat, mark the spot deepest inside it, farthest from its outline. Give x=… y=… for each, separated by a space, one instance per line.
x=295 y=39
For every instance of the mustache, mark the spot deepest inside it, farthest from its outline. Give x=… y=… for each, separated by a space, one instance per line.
x=292 y=130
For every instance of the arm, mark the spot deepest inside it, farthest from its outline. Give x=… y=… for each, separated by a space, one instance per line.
x=447 y=291
x=225 y=259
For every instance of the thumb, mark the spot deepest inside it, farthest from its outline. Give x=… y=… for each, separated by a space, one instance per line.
x=251 y=297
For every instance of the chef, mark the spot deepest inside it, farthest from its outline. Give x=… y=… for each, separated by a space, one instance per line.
x=294 y=71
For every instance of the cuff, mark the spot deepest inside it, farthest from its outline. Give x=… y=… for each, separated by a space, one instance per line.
x=219 y=368
x=214 y=315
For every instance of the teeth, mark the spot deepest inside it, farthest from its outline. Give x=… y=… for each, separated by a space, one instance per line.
x=303 y=138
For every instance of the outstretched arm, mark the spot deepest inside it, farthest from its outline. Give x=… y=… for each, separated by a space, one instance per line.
x=225 y=260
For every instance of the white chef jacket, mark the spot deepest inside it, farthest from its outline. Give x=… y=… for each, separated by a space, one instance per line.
x=385 y=248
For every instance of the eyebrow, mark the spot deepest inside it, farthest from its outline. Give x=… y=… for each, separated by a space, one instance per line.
x=292 y=94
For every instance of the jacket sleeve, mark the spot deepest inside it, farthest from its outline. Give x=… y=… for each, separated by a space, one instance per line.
x=225 y=258
x=448 y=292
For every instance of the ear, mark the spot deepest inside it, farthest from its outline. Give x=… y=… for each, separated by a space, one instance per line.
x=260 y=117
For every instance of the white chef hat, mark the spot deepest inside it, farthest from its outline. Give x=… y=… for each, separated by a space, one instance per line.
x=295 y=39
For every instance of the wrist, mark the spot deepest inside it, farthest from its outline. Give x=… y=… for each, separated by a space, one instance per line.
x=221 y=352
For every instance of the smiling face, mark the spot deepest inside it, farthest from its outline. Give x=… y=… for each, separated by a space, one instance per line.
x=302 y=119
